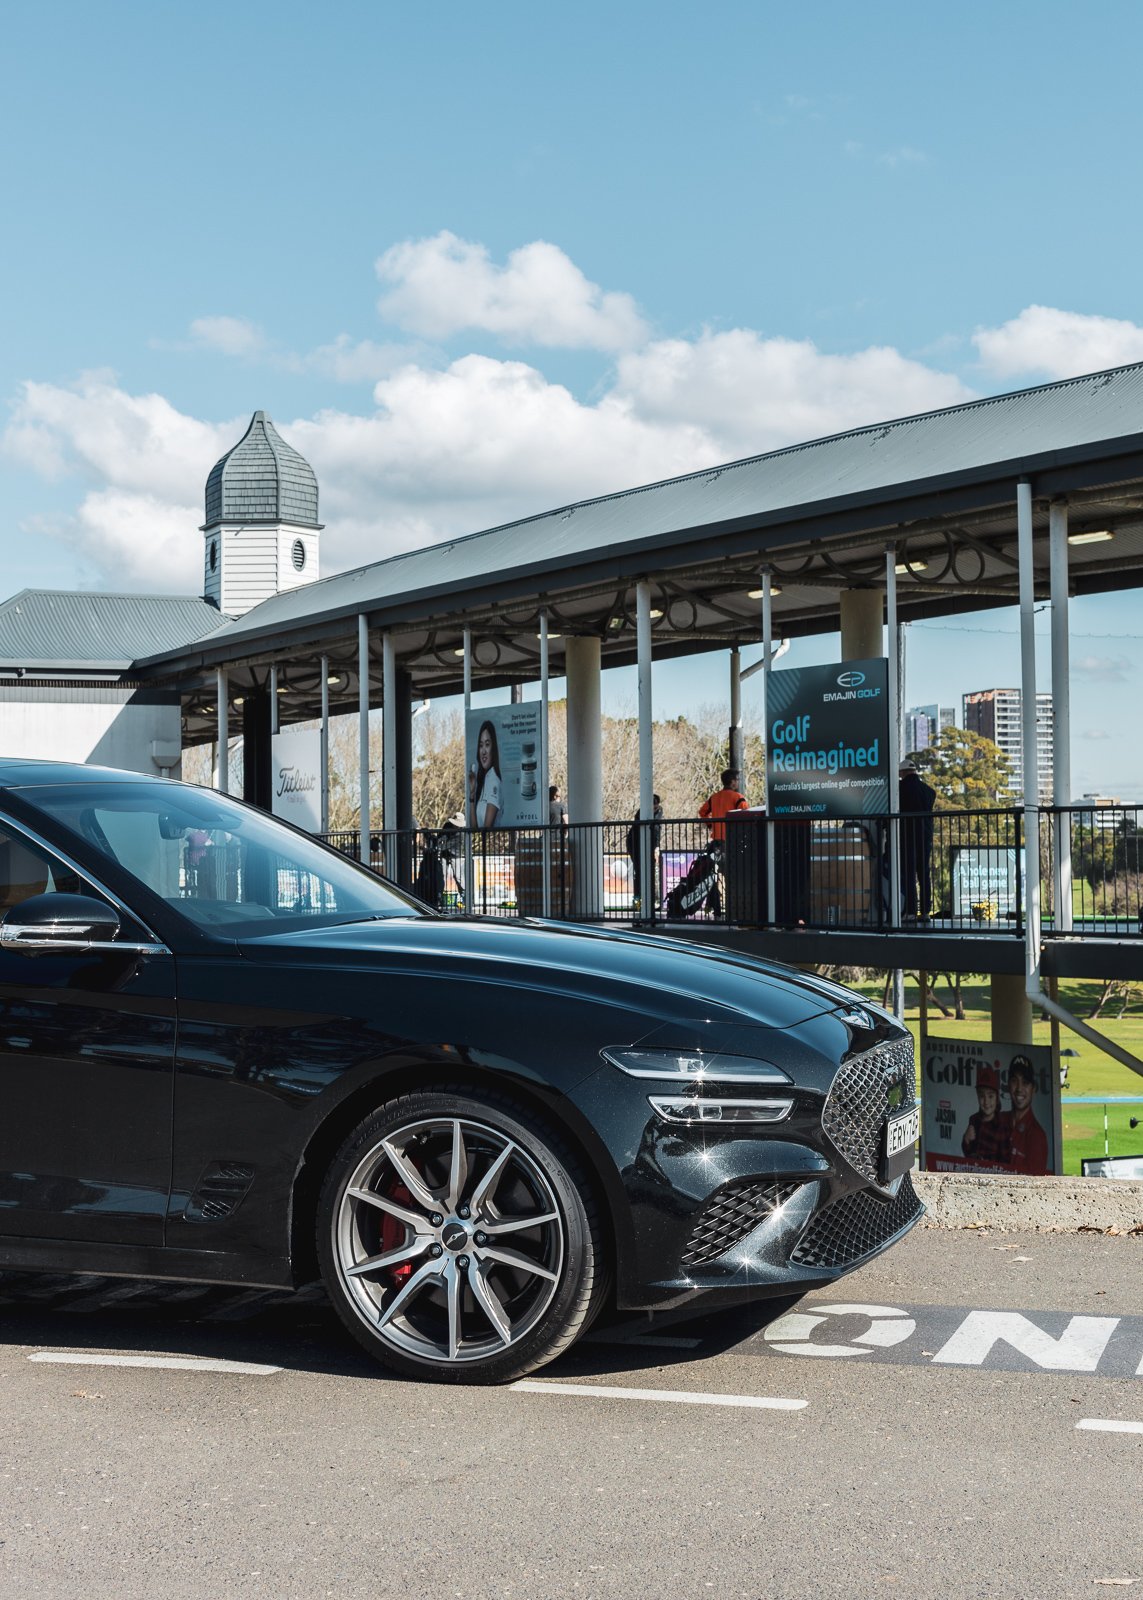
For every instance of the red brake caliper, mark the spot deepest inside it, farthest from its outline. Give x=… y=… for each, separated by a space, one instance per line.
x=393 y=1233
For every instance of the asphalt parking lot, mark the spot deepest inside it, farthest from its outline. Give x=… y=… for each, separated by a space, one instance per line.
x=962 y=1417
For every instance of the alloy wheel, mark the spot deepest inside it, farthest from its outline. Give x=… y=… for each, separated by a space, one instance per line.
x=449 y=1240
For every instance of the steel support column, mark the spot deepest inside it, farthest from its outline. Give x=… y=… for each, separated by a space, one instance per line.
x=1061 y=714
x=364 y=821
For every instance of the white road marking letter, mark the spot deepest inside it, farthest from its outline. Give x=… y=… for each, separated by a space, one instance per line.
x=791 y=1334
x=1100 y=1425
x=1078 y=1348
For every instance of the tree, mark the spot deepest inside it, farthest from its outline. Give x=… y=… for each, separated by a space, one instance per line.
x=968 y=771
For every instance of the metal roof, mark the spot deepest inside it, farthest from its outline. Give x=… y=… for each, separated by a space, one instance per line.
x=769 y=498
x=262 y=479
x=60 y=630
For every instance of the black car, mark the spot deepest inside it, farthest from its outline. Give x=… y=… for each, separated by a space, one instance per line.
x=229 y=1054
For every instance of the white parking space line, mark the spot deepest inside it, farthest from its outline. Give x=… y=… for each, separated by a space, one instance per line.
x=600 y=1391
x=83 y=1358
x=1102 y=1425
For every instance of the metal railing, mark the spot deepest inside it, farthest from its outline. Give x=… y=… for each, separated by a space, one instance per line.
x=959 y=871
x=1091 y=870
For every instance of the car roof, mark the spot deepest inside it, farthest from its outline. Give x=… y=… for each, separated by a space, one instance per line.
x=19 y=772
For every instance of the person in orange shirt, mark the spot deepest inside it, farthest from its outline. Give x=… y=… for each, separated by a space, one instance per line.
x=714 y=812
x=722 y=801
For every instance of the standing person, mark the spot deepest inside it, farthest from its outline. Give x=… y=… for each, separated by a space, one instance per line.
x=1029 y=1152
x=484 y=782
x=715 y=812
x=634 y=849
x=917 y=801
x=557 y=811
x=988 y=1136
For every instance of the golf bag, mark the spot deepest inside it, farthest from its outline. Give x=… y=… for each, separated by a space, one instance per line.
x=699 y=887
x=437 y=859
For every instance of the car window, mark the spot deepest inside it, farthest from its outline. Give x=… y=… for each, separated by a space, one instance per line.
x=228 y=868
x=27 y=870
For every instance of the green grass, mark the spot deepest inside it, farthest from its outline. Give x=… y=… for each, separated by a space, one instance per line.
x=1090 y=1071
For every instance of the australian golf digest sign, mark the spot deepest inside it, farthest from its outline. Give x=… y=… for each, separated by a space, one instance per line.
x=827 y=740
x=296 y=777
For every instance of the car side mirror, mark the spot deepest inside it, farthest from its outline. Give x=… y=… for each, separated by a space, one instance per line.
x=47 y=922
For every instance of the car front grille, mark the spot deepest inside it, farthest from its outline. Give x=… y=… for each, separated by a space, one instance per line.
x=865 y=1091
x=855 y=1226
x=734 y=1212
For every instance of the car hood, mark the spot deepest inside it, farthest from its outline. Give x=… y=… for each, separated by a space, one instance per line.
x=662 y=978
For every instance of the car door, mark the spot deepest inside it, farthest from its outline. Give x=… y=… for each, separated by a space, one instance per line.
x=87 y=1044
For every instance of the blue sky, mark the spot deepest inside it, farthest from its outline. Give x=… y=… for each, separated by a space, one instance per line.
x=478 y=262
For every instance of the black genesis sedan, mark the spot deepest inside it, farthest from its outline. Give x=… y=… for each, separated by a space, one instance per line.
x=229 y=1054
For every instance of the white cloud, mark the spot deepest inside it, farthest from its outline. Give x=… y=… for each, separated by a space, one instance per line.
x=439 y=286
x=1057 y=344
x=1104 y=669
x=231 y=336
x=756 y=394
x=1095 y=733
x=905 y=155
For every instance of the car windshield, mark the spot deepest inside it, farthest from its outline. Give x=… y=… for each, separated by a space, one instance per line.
x=230 y=869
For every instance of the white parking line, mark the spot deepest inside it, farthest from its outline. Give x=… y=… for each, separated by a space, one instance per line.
x=77 y=1358
x=600 y=1391
x=1102 y=1425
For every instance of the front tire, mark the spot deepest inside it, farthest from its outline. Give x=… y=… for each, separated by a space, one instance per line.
x=458 y=1238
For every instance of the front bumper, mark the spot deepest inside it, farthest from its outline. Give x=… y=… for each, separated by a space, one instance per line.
x=729 y=1214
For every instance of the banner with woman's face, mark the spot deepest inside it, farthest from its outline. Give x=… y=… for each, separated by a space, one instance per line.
x=504 y=762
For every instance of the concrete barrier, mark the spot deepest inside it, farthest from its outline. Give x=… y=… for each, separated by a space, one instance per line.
x=1040 y=1205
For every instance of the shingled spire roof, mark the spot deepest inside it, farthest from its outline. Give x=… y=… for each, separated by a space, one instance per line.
x=262 y=479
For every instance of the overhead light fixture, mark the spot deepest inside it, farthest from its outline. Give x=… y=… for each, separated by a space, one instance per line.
x=614 y=622
x=656 y=613
x=459 y=652
x=911 y=566
x=239 y=700
x=551 y=636
x=335 y=680
x=1097 y=536
x=756 y=594
x=282 y=689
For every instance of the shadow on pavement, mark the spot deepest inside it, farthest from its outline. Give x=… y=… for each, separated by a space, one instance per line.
x=301 y=1332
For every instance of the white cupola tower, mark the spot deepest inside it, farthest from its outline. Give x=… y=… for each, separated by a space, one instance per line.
x=261 y=529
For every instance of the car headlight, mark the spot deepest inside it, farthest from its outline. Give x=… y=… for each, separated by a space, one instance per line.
x=694 y=1067
x=701 y=1108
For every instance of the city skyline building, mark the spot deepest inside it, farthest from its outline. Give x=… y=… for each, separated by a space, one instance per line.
x=925 y=724
x=996 y=714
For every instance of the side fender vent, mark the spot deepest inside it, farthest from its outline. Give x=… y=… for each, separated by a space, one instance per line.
x=219 y=1192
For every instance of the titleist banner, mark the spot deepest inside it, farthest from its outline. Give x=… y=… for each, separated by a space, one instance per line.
x=296 y=777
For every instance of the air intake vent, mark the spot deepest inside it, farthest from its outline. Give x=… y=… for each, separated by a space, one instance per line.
x=856 y=1226
x=219 y=1192
x=733 y=1213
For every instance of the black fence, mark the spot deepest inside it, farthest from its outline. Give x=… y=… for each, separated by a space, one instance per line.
x=958 y=870
x=1091 y=870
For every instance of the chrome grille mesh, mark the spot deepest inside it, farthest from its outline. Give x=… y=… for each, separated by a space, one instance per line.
x=859 y=1102
x=733 y=1213
x=855 y=1226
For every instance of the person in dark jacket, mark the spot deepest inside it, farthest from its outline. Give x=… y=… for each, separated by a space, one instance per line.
x=633 y=849
x=917 y=801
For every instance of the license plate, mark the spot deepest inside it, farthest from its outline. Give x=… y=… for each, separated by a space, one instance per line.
x=901 y=1134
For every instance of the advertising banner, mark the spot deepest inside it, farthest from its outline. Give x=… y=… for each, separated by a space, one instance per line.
x=827 y=740
x=503 y=757
x=984 y=882
x=987 y=1107
x=295 y=756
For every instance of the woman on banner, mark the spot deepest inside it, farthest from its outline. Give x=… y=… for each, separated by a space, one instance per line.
x=484 y=782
